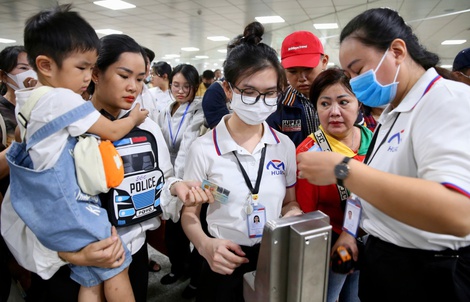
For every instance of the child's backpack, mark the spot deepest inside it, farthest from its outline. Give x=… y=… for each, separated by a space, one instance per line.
x=137 y=198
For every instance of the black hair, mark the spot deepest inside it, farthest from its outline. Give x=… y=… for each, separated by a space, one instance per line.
x=326 y=79
x=378 y=27
x=190 y=74
x=8 y=62
x=112 y=46
x=56 y=33
x=249 y=56
x=233 y=43
x=161 y=68
x=208 y=74
x=150 y=54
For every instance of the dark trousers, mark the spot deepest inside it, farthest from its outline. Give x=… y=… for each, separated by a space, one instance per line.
x=178 y=248
x=60 y=288
x=214 y=287
x=392 y=273
x=181 y=258
x=5 y=282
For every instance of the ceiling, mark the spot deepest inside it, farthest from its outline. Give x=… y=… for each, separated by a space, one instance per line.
x=165 y=26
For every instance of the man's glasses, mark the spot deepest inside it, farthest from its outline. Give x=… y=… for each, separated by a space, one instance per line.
x=250 y=96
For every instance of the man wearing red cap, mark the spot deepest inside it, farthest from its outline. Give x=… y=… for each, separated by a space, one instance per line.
x=303 y=58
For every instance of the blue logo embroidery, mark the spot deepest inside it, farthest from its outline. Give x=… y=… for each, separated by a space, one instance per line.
x=276 y=167
x=394 y=141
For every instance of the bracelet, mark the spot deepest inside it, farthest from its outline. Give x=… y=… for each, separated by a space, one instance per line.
x=177 y=181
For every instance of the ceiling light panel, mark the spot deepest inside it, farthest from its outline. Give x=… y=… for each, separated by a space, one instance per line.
x=453 y=42
x=2 y=40
x=325 y=25
x=190 y=49
x=108 y=31
x=269 y=19
x=114 y=4
x=218 y=38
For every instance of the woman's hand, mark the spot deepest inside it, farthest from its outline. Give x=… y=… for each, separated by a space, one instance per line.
x=318 y=167
x=107 y=253
x=191 y=193
x=348 y=241
x=295 y=211
x=223 y=256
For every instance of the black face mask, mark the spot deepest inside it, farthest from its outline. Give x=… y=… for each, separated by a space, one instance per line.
x=207 y=85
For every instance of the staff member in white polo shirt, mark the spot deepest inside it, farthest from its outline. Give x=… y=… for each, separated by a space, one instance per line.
x=252 y=165
x=414 y=193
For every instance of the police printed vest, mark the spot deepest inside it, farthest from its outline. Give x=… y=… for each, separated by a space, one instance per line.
x=137 y=198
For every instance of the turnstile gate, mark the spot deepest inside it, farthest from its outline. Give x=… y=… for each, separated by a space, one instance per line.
x=293 y=261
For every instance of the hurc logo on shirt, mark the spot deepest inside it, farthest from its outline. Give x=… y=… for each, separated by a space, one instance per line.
x=394 y=141
x=276 y=167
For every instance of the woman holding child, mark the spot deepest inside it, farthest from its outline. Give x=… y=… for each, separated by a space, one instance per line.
x=118 y=79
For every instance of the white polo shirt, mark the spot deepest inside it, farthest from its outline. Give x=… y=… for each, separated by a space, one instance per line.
x=211 y=158
x=430 y=140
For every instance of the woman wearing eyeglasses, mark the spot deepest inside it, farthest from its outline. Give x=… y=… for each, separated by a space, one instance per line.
x=180 y=122
x=250 y=168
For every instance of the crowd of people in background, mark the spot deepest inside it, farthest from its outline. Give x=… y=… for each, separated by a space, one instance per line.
x=386 y=133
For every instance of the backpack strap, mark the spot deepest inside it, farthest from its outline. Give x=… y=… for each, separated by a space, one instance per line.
x=25 y=112
x=59 y=123
x=3 y=127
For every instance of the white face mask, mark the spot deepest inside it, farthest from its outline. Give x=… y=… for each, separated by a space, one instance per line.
x=20 y=77
x=251 y=114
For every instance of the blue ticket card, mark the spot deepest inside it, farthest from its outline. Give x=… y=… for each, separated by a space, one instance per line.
x=315 y=148
x=220 y=194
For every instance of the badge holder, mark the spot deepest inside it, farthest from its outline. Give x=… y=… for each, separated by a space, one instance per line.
x=352 y=215
x=255 y=216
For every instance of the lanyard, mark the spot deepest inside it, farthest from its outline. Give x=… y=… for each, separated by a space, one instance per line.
x=325 y=146
x=254 y=191
x=372 y=143
x=173 y=139
x=371 y=147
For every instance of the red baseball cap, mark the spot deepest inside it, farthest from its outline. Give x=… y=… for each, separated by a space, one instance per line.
x=301 y=49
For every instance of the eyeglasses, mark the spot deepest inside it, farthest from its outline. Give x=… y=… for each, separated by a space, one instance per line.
x=250 y=96
x=176 y=87
x=463 y=74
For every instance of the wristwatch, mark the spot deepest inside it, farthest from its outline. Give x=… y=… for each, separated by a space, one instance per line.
x=342 y=171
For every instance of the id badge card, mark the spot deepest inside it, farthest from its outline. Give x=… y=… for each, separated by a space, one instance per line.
x=220 y=194
x=352 y=215
x=256 y=221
